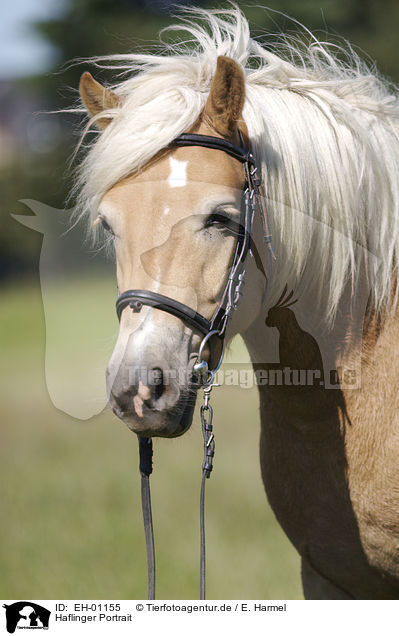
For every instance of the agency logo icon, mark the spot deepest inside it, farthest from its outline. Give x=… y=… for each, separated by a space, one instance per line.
x=26 y=615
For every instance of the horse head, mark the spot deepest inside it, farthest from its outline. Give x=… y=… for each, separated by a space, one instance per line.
x=174 y=227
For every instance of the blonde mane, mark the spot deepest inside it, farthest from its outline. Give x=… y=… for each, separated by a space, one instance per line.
x=325 y=133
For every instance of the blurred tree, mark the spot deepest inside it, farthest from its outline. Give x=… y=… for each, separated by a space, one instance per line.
x=98 y=27
x=38 y=169
x=371 y=26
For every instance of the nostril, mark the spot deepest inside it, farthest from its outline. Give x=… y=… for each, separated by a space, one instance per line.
x=158 y=386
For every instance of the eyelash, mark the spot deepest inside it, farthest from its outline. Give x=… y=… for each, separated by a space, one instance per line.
x=215 y=219
x=224 y=224
x=107 y=226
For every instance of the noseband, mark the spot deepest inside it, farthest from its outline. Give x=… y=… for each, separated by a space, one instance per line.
x=215 y=326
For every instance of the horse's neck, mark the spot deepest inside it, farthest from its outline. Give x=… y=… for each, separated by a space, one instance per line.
x=334 y=367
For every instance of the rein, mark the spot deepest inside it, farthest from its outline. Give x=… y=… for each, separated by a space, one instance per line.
x=214 y=327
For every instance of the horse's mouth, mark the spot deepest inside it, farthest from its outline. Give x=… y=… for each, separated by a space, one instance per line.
x=184 y=409
x=185 y=415
x=169 y=423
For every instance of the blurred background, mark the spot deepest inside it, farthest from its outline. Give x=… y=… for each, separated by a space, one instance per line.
x=71 y=519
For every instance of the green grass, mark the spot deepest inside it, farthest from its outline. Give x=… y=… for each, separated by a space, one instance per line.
x=70 y=505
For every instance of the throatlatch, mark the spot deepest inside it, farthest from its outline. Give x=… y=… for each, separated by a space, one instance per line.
x=215 y=327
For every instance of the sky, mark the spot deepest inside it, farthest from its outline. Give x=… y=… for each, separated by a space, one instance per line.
x=22 y=52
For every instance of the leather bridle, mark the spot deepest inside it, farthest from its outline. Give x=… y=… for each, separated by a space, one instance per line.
x=209 y=328
x=136 y=298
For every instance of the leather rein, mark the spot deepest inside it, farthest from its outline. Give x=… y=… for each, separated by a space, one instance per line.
x=216 y=326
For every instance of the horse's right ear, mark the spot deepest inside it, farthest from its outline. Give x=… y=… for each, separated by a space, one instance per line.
x=224 y=105
x=96 y=98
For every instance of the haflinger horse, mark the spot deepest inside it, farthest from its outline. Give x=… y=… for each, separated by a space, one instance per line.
x=321 y=317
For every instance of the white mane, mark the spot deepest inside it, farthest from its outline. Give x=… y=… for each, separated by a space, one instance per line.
x=324 y=131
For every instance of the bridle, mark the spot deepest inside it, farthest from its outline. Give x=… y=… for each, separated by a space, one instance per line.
x=215 y=327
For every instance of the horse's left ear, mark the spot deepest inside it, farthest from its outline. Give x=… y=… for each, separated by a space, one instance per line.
x=224 y=105
x=96 y=98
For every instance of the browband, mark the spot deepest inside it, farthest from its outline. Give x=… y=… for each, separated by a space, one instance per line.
x=216 y=143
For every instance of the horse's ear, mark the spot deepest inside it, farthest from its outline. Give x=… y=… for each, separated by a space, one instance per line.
x=96 y=98
x=224 y=105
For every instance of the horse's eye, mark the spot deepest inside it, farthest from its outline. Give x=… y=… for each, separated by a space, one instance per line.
x=106 y=226
x=216 y=220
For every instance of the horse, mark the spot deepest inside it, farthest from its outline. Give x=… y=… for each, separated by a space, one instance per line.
x=323 y=129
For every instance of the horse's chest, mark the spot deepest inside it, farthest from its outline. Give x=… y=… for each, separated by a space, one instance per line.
x=307 y=483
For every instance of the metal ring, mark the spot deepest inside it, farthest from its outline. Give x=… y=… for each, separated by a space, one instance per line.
x=214 y=332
